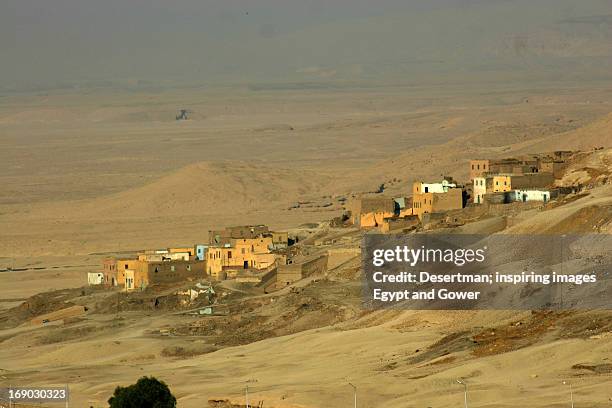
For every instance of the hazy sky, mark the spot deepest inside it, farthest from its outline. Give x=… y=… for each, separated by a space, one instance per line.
x=50 y=41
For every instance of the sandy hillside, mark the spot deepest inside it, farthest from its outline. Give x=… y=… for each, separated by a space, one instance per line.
x=294 y=357
x=101 y=172
x=83 y=180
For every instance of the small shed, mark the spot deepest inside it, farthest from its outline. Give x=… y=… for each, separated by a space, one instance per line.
x=95 y=278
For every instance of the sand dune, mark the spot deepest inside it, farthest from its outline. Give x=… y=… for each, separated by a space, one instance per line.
x=210 y=188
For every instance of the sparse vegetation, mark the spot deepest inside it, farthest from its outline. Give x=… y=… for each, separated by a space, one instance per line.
x=148 y=392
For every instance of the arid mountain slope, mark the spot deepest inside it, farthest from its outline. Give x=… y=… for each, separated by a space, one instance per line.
x=596 y=134
x=179 y=207
x=209 y=188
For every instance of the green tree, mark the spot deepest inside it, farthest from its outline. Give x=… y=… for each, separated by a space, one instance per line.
x=148 y=392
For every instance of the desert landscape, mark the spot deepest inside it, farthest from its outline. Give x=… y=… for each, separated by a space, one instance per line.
x=141 y=179
x=97 y=169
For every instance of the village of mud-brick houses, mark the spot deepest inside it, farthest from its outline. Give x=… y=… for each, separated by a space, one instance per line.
x=256 y=255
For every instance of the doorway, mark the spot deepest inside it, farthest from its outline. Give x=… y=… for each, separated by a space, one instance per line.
x=129 y=280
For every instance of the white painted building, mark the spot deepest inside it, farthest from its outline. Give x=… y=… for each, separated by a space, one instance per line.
x=95 y=278
x=532 y=195
x=480 y=189
x=437 y=187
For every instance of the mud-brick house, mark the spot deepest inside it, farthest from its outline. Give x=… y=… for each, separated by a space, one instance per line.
x=114 y=270
x=394 y=224
x=508 y=182
x=288 y=274
x=484 y=167
x=481 y=167
x=555 y=167
x=150 y=269
x=502 y=183
x=225 y=236
x=109 y=270
x=430 y=198
x=555 y=162
x=242 y=253
x=280 y=240
x=170 y=271
x=370 y=212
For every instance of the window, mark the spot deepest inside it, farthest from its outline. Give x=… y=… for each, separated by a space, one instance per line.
x=242 y=250
x=427 y=189
x=172 y=268
x=229 y=254
x=478 y=167
x=126 y=266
